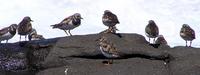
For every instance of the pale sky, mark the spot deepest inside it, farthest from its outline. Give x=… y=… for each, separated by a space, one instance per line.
x=133 y=16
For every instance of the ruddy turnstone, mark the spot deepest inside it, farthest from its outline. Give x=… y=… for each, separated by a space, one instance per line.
x=109 y=19
x=161 y=40
x=110 y=30
x=108 y=50
x=69 y=23
x=187 y=33
x=151 y=30
x=25 y=27
x=34 y=36
x=8 y=32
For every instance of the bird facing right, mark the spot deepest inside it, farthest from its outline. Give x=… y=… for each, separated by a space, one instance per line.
x=151 y=30
x=8 y=32
x=187 y=33
x=69 y=23
x=25 y=27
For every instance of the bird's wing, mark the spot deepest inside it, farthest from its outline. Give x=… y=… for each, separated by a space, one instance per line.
x=109 y=17
x=67 y=20
x=190 y=32
x=4 y=30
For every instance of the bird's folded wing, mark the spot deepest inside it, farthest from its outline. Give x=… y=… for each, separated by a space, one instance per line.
x=66 y=20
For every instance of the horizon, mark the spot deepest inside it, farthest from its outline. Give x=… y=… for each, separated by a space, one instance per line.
x=132 y=14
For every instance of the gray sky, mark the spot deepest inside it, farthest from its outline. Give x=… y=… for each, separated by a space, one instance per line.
x=133 y=16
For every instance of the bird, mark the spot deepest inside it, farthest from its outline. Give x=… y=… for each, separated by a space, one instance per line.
x=187 y=33
x=111 y=30
x=151 y=30
x=25 y=27
x=34 y=36
x=109 y=19
x=69 y=23
x=108 y=49
x=8 y=32
x=161 y=40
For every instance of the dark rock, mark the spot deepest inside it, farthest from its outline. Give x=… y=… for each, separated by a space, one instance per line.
x=81 y=56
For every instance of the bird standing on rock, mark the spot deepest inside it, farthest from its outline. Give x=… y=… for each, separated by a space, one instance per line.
x=8 y=32
x=151 y=30
x=108 y=50
x=161 y=40
x=187 y=33
x=69 y=23
x=109 y=19
x=25 y=27
x=34 y=36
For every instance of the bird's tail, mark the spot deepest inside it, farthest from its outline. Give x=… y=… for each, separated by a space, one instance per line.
x=54 y=26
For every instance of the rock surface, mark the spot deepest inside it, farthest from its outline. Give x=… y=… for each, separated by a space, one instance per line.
x=80 y=55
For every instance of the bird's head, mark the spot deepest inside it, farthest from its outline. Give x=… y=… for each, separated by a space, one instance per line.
x=151 y=21
x=107 y=11
x=27 y=18
x=185 y=26
x=78 y=16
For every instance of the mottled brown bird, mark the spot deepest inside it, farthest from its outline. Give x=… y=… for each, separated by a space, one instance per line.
x=187 y=33
x=34 y=36
x=109 y=19
x=25 y=27
x=108 y=49
x=8 y=32
x=151 y=30
x=69 y=23
x=161 y=40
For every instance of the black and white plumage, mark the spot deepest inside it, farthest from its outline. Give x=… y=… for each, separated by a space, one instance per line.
x=25 y=27
x=161 y=40
x=152 y=30
x=69 y=23
x=108 y=49
x=187 y=33
x=109 y=19
x=8 y=32
x=34 y=36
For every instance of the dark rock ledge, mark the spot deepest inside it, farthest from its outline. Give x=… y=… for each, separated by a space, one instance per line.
x=81 y=56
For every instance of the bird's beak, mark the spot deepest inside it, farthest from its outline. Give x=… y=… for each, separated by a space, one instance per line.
x=81 y=18
x=31 y=20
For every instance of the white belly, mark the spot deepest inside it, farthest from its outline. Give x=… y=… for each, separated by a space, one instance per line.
x=106 y=54
x=6 y=36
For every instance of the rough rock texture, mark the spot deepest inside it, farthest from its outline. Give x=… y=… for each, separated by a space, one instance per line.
x=81 y=56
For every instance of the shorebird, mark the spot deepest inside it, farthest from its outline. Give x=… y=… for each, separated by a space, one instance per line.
x=187 y=33
x=151 y=30
x=161 y=40
x=25 y=27
x=109 y=19
x=69 y=23
x=8 y=32
x=108 y=49
x=34 y=36
x=110 y=30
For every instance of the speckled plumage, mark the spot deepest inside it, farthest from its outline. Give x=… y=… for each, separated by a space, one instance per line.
x=108 y=49
x=8 y=32
x=24 y=27
x=69 y=23
x=34 y=36
x=161 y=40
x=187 y=33
x=151 y=30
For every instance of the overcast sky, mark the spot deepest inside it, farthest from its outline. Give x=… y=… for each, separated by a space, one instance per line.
x=133 y=16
